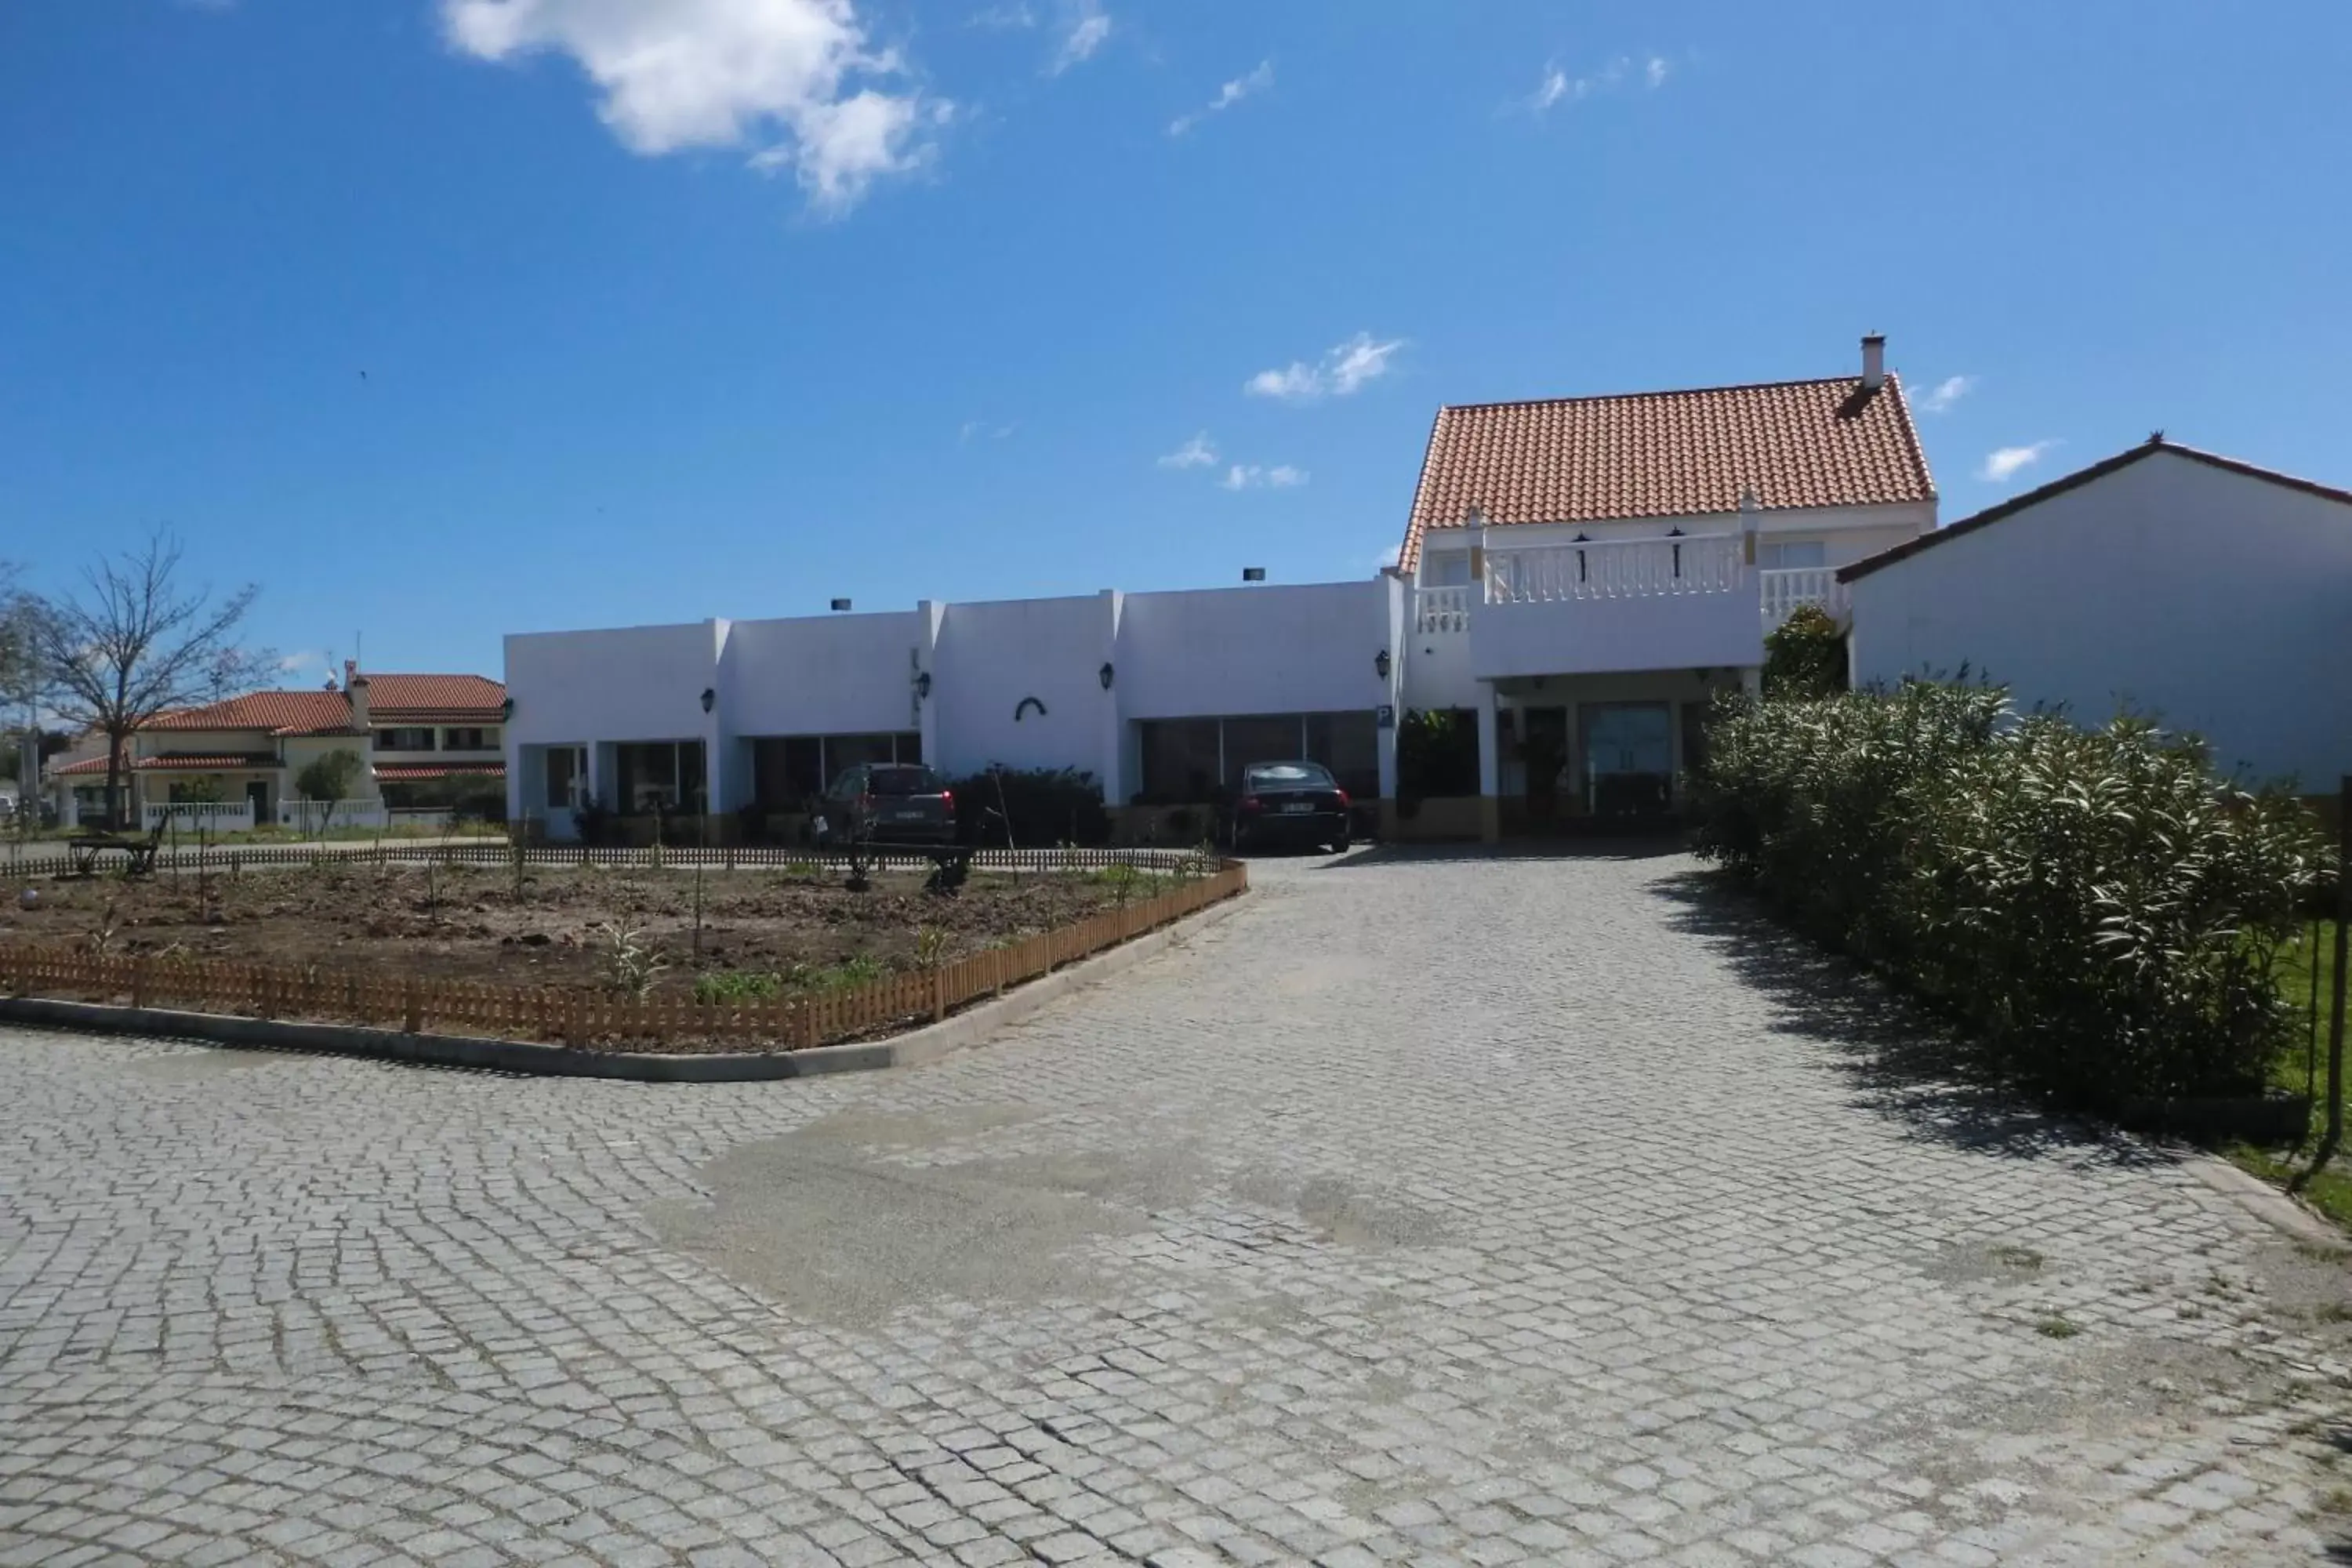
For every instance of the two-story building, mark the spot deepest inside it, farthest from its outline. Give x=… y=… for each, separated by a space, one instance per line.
x=1576 y=577
x=1588 y=572
x=420 y=745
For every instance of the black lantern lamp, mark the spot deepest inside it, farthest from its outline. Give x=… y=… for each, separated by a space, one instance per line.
x=708 y=698
x=922 y=684
x=1381 y=664
x=1106 y=675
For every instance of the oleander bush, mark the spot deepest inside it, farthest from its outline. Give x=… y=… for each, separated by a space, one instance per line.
x=2095 y=906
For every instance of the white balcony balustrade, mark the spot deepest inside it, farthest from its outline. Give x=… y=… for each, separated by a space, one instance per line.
x=1616 y=569
x=1786 y=591
x=1437 y=610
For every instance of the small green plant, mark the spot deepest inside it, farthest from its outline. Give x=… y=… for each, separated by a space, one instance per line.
x=846 y=975
x=632 y=964
x=726 y=986
x=931 y=947
x=2057 y=1326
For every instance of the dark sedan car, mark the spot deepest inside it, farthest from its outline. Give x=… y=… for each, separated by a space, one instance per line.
x=889 y=802
x=1288 y=803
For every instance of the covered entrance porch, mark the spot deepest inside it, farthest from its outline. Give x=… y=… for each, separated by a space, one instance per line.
x=1565 y=754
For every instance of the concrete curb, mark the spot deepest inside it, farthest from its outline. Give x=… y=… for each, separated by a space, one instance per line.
x=2266 y=1203
x=974 y=1026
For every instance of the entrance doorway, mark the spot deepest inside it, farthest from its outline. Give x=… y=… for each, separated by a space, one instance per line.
x=256 y=790
x=1629 y=757
x=1543 y=749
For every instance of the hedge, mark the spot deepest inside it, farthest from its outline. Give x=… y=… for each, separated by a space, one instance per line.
x=2094 y=905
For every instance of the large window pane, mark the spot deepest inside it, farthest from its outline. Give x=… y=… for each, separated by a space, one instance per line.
x=1263 y=738
x=1180 y=760
x=1348 y=744
x=564 y=780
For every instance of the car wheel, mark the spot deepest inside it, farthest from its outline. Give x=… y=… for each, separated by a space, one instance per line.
x=1340 y=845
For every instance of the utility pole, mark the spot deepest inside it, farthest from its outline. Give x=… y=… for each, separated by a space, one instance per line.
x=2334 y=1137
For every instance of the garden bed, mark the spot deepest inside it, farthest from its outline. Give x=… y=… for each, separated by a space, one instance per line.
x=762 y=933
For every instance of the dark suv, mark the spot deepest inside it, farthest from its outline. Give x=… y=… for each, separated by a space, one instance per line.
x=889 y=802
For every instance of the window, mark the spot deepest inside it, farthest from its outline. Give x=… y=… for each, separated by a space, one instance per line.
x=659 y=774
x=409 y=740
x=788 y=770
x=1286 y=775
x=1185 y=762
x=567 y=777
x=1791 y=554
x=1446 y=569
x=472 y=739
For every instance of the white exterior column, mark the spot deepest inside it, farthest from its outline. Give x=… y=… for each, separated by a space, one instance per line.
x=1490 y=766
x=929 y=613
x=1111 y=747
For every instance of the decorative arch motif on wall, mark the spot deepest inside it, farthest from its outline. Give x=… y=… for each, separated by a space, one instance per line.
x=1022 y=707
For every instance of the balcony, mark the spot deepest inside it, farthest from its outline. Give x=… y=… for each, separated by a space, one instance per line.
x=1689 y=601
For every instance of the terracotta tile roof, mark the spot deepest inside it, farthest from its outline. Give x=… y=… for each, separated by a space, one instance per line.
x=460 y=696
x=397 y=698
x=297 y=712
x=246 y=762
x=2066 y=482
x=397 y=774
x=86 y=765
x=1669 y=454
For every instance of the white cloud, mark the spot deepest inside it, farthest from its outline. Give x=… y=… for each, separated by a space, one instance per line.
x=1003 y=19
x=1343 y=371
x=982 y=429
x=296 y=663
x=2007 y=461
x=1199 y=452
x=1233 y=92
x=1389 y=557
x=1256 y=475
x=1089 y=29
x=1554 y=88
x=1558 y=87
x=775 y=76
x=1940 y=397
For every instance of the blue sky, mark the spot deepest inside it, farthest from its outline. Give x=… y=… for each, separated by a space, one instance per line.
x=441 y=319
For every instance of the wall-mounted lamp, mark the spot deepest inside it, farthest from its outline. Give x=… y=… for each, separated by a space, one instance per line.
x=839 y=606
x=1106 y=674
x=922 y=684
x=1676 y=534
x=1381 y=664
x=708 y=698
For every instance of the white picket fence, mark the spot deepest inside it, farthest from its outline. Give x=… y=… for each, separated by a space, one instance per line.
x=211 y=816
x=318 y=816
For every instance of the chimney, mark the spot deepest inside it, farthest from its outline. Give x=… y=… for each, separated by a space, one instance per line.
x=350 y=670
x=356 y=689
x=1874 y=362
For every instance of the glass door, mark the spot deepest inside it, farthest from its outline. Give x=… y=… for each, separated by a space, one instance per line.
x=1629 y=757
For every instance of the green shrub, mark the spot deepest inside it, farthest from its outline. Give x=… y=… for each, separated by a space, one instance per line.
x=1805 y=656
x=1045 y=805
x=737 y=986
x=2095 y=906
x=1437 y=754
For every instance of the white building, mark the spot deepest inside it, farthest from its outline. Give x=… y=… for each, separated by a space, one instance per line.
x=1588 y=572
x=1578 y=576
x=421 y=746
x=2210 y=593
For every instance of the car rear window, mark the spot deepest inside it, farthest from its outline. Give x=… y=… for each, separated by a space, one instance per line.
x=1286 y=775
x=903 y=781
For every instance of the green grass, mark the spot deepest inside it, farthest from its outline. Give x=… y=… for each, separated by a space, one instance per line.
x=737 y=985
x=2328 y=1191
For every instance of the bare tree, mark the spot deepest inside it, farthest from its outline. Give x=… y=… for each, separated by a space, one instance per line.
x=134 y=643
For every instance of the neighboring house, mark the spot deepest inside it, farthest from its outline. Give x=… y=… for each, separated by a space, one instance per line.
x=2209 y=593
x=426 y=745
x=1587 y=573
x=1582 y=573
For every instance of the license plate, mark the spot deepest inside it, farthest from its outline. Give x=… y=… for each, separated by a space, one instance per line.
x=915 y=816
x=1296 y=807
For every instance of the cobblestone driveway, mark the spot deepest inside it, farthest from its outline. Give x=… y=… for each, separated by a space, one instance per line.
x=1444 y=1211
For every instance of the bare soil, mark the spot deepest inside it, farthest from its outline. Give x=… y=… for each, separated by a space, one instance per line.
x=468 y=923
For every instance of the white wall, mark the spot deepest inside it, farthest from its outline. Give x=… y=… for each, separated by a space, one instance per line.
x=1580 y=636
x=2221 y=602
x=992 y=656
x=635 y=683
x=1223 y=651
x=1850 y=533
x=819 y=675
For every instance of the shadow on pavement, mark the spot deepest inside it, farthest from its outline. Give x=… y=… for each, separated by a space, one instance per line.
x=1904 y=1062
x=1643 y=847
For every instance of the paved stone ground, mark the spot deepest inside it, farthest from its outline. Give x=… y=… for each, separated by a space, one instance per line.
x=1440 y=1211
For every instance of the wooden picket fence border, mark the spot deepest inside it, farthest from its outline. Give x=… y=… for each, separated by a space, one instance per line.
x=657 y=857
x=585 y=1020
